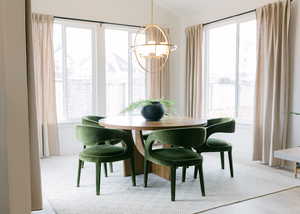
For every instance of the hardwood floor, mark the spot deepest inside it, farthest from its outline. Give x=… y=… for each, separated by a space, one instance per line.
x=278 y=203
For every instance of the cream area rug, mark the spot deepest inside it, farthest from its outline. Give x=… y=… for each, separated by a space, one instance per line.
x=118 y=196
x=284 y=201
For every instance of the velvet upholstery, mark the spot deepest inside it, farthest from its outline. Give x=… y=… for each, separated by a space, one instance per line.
x=218 y=125
x=180 y=153
x=90 y=136
x=91 y=120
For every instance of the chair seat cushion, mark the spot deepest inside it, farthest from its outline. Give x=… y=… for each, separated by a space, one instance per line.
x=175 y=156
x=215 y=142
x=216 y=145
x=95 y=152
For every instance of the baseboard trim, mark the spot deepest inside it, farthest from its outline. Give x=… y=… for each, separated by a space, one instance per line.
x=48 y=209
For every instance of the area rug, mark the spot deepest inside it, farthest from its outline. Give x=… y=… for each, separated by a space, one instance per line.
x=118 y=196
x=282 y=199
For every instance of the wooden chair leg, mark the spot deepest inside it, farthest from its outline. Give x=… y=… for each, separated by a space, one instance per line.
x=222 y=160
x=296 y=170
x=201 y=178
x=146 y=170
x=230 y=163
x=173 y=183
x=111 y=167
x=80 y=163
x=98 y=177
x=105 y=169
x=195 y=172
x=132 y=162
x=183 y=173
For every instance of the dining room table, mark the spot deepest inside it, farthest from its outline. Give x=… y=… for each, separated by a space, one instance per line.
x=138 y=126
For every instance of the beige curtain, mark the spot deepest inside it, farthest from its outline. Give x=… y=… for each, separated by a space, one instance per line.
x=36 y=187
x=194 y=74
x=42 y=27
x=272 y=81
x=157 y=79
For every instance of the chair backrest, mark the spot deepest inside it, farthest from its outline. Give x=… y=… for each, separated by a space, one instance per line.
x=220 y=125
x=93 y=135
x=91 y=120
x=184 y=137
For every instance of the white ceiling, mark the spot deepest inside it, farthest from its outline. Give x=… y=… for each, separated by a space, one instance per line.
x=184 y=7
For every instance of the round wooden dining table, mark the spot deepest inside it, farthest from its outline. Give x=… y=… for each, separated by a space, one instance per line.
x=137 y=125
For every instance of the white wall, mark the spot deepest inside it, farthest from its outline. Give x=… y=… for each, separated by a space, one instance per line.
x=134 y=12
x=14 y=165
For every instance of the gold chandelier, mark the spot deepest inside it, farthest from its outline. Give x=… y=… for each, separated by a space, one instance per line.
x=152 y=46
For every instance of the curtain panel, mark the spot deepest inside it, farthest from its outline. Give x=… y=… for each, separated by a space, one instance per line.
x=36 y=184
x=194 y=73
x=157 y=79
x=272 y=81
x=44 y=71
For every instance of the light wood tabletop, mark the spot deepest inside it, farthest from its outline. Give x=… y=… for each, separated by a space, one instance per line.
x=137 y=124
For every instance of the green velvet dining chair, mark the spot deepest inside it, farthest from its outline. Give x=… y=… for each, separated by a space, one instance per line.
x=103 y=153
x=180 y=154
x=93 y=120
x=213 y=126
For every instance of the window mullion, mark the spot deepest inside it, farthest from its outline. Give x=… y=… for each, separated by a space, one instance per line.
x=237 y=82
x=94 y=72
x=65 y=73
x=130 y=70
x=101 y=71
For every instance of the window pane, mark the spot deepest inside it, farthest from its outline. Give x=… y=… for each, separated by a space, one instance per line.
x=139 y=77
x=79 y=84
x=116 y=46
x=222 y=71
x=58 y=57
x=247 y=70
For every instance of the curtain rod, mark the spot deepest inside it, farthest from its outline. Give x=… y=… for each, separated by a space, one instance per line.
x=229 y=17
x=99 y=22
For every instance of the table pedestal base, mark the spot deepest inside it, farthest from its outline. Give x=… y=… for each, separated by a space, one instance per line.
x=161 y=171
x=139 y=164
x=297 y=169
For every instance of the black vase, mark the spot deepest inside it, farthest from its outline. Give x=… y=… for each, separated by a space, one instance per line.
x=153 y=112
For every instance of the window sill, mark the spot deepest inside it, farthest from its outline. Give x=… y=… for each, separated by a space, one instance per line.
x=67 y=123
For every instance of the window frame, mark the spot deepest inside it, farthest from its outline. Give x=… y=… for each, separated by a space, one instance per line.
x=95 y=61
x=237 y=21
x=131 y=31
x=99 y=96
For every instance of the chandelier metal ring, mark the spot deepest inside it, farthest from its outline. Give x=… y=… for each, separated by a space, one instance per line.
x=152 y=50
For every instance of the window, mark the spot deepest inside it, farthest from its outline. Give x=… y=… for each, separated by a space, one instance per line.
x=230 y=69
x=125 y=80
x=75 y=56
x=95 y=70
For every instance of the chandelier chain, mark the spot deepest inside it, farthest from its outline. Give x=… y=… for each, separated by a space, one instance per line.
x=152 y=11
